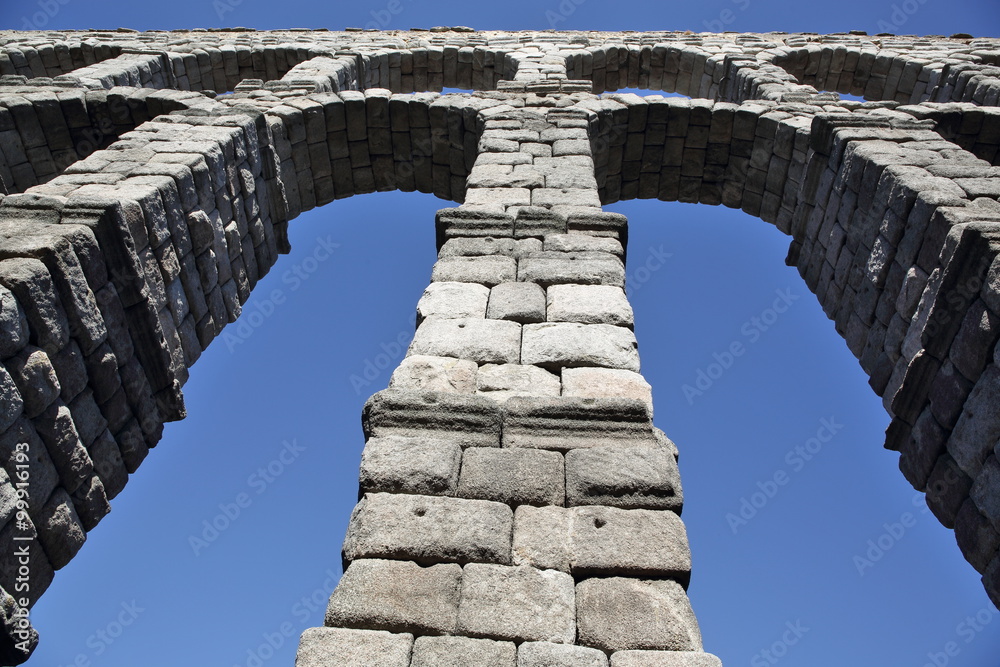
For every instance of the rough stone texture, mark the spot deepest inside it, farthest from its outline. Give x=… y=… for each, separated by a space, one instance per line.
x=663 y=659
x=588 y=304
x=453 y=299
x=517 y=603
x=518 y=302
x=513 y=476
x=638 y=477
x=398 y=596
x=427 y=373
x=486 y=270
x=620 y=614
x=421 y=466
x=429 y=529
x=503 y=381
x=606 y=383
x=602 y=541
x=461 y=651
x=546 y=654
x=558 y=345
x=323 y=647
x=482 y=341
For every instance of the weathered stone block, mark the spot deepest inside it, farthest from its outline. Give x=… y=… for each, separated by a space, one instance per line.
x=36 y=380
x=460 y=418
x=588 y=304
x=619 y=614
x=631 y=478
x=602 y=541
x=513 y=476
x=426 y=373
x=517 y=603
x=482 y=341
x=429 y=529
x=421 y=466
x=462 y=651
x=582 y=243
x=978 y=427
x=546 y=654
x=398 y=596
x=565 y=344
x=59 y=529
x=452 y=299
x=664 y=659
x=606 y=383
x=518 y=302
x=329 y=647
x=566 y=423
x=585 y=268
x=503 y=381
x=487 y=270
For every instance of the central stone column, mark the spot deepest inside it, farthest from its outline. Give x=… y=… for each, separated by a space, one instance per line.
x=518 y=507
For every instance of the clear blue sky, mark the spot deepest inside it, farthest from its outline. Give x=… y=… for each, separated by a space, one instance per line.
x=282 y=399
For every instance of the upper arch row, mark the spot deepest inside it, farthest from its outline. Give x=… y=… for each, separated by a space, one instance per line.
x=730 y=67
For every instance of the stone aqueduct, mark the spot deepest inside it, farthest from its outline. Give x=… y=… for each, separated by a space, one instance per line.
x=519 y=507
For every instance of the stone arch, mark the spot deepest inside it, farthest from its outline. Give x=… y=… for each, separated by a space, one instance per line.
x=893 y=241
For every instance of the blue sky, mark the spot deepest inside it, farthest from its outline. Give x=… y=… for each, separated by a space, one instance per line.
x=273 y=435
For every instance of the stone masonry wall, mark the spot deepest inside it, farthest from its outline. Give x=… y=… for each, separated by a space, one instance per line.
x=515 y=495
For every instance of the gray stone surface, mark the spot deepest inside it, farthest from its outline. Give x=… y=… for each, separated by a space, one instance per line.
x=566 y=423
x=453 y=299
x=513 y=476
x=664 y=659
x=427 y=373
x=588 y=304
x=485 y=270
x=582 y=243
x=398 y=596
x=329 y=647
x=587 y=268
x=503 y=381
x=620 y=614
x=518 y=302
x=546 y=654
x=421 y=466
x=602 y=541
x=59 y=529
x=35 y=379
x=563 y=344
x=606 y=383
x=636 y=477
x=429 y=529
x=517 y=603
x=482 y=341
x=462 y=651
